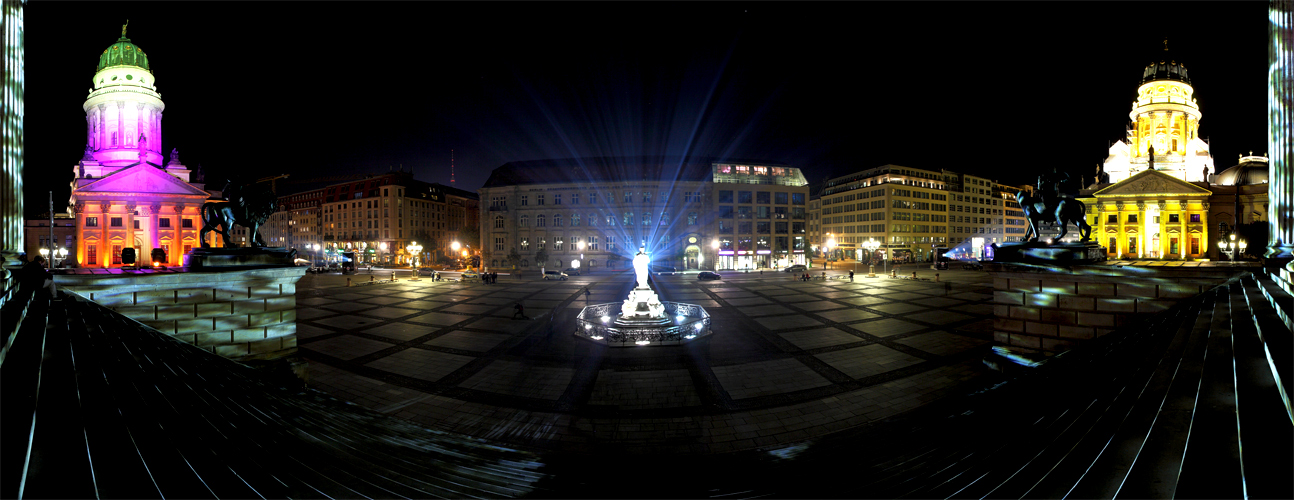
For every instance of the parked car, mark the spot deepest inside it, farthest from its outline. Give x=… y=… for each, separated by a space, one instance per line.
x=554 y=275
x=471 y=275
x=797 y=268
x=972 y=265
x=708 y=275
x=571 y=271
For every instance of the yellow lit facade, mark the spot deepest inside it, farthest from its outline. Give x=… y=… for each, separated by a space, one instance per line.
x=1165 y=116
x=1151 y=215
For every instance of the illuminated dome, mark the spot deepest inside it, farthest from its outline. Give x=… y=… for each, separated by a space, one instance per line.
x=1251 y=170
x=1165 y=70
x=122 y=53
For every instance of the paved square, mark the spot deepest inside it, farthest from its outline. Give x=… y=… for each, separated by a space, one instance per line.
x=868 y=360
x=400 y=332
x=638 y=389
x=441 y=319
x=349 y=306
x=767 y=378
x=819 y=337
x=346 y=346
x=764 y=310
x=820 y=305
x=519 y=379
x=784 y=322
x=896 y=308
x=942 y=343
x=421 y=363
x=887 y=327
x=847 y=315
x=468 y=341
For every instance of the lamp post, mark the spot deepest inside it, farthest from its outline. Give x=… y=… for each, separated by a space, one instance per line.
x=44 y=252
x=715 y=245
x=383 y=247
x=871 y=245
x=415 y=250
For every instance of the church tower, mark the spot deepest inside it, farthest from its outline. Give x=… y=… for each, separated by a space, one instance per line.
x=1165 y=119
x=123 y=113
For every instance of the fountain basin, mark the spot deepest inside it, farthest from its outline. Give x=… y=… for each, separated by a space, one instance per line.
x=680 y=324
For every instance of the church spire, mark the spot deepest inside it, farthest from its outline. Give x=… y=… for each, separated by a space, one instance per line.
x=451 y=166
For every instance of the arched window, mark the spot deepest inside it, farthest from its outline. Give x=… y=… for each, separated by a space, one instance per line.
x=540 y=221
x=575 y=219
x=646 y=219
x=525 y=262
x=525 y=221
x=629 y=218
x=593 y=219
x=494 y=263
x=498 y=222
x=557 y=221
x=593 y=263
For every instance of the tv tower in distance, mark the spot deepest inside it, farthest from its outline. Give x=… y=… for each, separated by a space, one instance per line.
x=451 y=166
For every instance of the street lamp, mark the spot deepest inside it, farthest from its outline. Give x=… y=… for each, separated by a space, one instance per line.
x=1231 y=247
x=415 y=250
x=44 y=252
x=383 y=250
x=871 y=245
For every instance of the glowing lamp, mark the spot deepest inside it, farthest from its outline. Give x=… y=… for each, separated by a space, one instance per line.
x=606 y=319
x=588 y=326
x=699 y=326
x=642 y=342
x=680 y=317
x=596 y=337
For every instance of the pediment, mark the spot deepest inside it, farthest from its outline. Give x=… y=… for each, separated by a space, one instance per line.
x=1152 y=183
x=141 y=179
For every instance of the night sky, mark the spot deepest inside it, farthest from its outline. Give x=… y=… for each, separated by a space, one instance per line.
x=319 y=89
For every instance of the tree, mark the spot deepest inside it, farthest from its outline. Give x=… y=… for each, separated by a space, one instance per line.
x=514 y=258
x=470 y=236
x=541 y=257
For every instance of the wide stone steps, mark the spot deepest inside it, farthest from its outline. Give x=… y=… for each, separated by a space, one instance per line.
x=126 y=412
x=1186 y=404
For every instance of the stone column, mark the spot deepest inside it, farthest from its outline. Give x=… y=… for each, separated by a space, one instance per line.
x=1120 y=241
x=1279 y=257
x=1162 y=228
x=177 y=235
x=105 y=242
x=129 y=221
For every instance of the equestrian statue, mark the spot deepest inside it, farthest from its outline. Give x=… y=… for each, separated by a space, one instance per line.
x=1053 y=205
x=247 y=205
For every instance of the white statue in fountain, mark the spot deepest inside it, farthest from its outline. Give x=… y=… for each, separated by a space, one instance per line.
x=642 y=302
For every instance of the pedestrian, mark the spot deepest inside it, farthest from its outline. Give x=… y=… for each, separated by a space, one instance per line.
x=851 y=276
x=519 y=310
x=35 y=276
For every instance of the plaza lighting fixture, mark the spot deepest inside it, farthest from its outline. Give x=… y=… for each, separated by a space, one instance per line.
x=831 y=244
x=642 y=342
x=606 y=319
x=596 y=337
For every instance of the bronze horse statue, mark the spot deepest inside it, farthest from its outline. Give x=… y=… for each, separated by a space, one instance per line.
x=246 y=207
x=1060 y=210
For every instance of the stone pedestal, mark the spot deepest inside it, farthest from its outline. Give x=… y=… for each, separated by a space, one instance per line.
x=222 y=259
x=242 y=314
x=1050 y=309
x=642 y=304
x=1043 y=253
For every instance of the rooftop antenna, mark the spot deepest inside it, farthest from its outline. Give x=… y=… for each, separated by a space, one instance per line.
x=451 y=166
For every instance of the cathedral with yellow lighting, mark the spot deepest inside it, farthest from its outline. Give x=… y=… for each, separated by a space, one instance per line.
x=1157 y=195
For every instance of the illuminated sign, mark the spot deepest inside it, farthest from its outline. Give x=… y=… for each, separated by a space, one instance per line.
x=763 y=252
x=725 y=252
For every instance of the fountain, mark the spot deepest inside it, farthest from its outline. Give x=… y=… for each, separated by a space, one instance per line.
x=642 y=319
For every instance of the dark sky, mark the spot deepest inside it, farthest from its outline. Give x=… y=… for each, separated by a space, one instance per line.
x=329 y=88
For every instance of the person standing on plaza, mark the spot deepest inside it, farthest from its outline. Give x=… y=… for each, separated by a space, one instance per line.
x=851 y=276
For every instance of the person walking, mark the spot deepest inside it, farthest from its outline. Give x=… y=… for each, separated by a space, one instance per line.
x=851 y=276
x=519 y=310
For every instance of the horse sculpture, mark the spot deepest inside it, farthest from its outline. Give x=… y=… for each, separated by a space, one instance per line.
x=1061 y=210
x=246 y=207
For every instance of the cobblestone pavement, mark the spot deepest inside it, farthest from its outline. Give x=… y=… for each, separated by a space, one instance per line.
x=789 y=361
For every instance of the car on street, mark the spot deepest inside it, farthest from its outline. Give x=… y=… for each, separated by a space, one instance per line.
x=798 y=268
x=972 y=265
x=571 y=271
x=471 y=275
x=555 y=275
x=708 y=275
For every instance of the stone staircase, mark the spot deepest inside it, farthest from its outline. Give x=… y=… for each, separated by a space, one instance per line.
x=1190 y=404
x=118 y=410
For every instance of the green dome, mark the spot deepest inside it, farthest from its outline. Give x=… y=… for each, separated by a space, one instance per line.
x=122 y=53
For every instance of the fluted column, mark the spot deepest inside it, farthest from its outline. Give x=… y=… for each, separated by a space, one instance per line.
x=1280 y=137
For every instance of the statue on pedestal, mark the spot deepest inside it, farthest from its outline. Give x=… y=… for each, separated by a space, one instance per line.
x=641 y=262
x=1053 y=204
x=246 y=205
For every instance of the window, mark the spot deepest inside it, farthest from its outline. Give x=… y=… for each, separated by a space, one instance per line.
x=725 y=212
x=1132 y=244
x=763 y=197
x=575 y=218
x=797 y=198
x=557 y=220
x=498 y=222
x=1172 y=245
x=540 y=221
x=91 y=222
x=1195 y=218
x=1132 y=218
x=611 y=243
x=593 y=243
x=557 y=199
x=646 y=196
x=725 y=196
x=1173 y=218
x=779 y=198
x=593 y=219
x=116 y=254
x=92 y=254
x=498 y=243
x=135 y=222
x=629 y=219
x=575 y=199
x=629 y=197
x=691 y=218
x=539 y=199
x=593 y=198
x=646 y=219
x=525 y=221
x=116 y=221
x=1113 y=219
x=525 y=200
x=744 y=197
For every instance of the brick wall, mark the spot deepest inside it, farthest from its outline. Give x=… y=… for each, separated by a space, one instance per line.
x=1051 y=309
x=244 y=315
